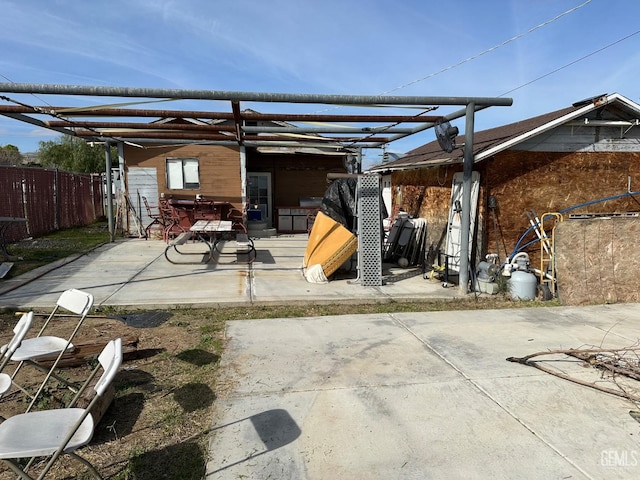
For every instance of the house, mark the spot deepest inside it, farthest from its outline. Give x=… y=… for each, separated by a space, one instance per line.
x=582 y=162
x=279 y=185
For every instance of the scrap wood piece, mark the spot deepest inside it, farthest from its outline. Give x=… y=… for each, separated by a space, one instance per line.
x=84 y=352
x=572 y=352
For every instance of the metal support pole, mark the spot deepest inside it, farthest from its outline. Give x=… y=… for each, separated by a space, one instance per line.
x=121 y=166
x=243 y=181
x=465 y=227
x=107 y=163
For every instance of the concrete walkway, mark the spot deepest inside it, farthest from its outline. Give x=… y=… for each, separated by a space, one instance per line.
x=386 y=396
x=134 y=273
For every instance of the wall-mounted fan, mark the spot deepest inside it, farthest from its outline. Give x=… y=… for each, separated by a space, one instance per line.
x=446 y=135
x=350 y=163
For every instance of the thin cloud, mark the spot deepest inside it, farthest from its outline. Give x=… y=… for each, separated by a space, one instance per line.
x=355 y=47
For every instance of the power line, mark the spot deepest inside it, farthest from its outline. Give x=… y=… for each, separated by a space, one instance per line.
x=484 y=52
x=572 y=63
x=32 y=94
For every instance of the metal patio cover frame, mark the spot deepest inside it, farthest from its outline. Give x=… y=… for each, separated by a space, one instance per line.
x=350 y=132
x=206 y=127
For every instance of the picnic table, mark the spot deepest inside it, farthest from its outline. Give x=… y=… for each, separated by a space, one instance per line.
x=211 y=233
x=5 y=223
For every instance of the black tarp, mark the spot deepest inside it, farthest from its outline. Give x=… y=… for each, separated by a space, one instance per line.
x=339 y=202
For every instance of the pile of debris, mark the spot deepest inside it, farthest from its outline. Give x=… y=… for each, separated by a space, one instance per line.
x=619 y=368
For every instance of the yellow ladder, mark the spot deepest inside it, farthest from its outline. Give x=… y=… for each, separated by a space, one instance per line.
x=547 y=253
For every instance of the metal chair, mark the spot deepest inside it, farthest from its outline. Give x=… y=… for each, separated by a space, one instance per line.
x=205 y=210
x=156 y=218
x=237 y=219
x=7 y=351
x=173 y=218
x=43 y=346
x=56 y=432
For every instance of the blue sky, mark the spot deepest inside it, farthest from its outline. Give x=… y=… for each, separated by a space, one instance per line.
x=356 y=47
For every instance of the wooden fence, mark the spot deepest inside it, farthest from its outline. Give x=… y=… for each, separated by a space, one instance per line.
x=49 y=199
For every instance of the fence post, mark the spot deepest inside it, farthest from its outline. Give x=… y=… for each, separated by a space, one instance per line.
x=25 y=209
x=56 y=199
x=107 y=157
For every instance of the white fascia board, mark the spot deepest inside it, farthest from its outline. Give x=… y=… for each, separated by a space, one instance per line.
x=414 y=166
x=622 y=99
x=532 y=133
x=555 y=123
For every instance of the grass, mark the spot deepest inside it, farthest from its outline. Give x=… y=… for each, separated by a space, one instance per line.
x=159 y=422
x=37 y=252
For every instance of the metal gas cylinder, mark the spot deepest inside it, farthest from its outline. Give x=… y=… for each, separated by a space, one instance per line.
x=523 y=285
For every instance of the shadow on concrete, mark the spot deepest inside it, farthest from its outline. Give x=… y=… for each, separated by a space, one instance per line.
x=275 y=428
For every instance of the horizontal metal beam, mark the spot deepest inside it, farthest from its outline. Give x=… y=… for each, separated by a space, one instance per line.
x=188 y=94
x=233 y=143
x=38 y=123
x=70 y=112
x=329 y=129
x=141 y=125
x=115 y=128
x=214 y=137
x=310 y=117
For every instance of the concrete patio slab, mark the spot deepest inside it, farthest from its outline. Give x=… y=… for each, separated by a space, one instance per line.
x=418 y=395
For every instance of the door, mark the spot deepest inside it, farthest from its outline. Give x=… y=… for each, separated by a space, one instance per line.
x=143 y=182
x=259 y=195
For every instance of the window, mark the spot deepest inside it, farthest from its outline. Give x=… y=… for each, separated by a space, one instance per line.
x=183 y=174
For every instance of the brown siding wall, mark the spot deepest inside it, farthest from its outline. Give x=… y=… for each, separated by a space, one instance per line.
x=598 y=261
x=219 y=170
x=520 y=181
x=552 y=182
x=296 y=176
x=426 y=193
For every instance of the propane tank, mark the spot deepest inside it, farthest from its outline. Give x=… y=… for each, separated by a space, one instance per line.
x=523 y=285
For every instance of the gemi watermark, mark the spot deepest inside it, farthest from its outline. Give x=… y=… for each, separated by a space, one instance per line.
x=619 y=458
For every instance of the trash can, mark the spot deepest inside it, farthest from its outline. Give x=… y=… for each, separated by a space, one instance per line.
x=254 y=214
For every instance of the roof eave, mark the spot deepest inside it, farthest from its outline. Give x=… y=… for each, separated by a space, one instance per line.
x=531 y=133
x=412 y=166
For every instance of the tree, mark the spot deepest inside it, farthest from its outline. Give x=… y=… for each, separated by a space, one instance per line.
x=10 y=155
x=73 y=154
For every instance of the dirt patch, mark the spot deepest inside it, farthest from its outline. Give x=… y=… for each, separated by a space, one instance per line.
x=157 y=425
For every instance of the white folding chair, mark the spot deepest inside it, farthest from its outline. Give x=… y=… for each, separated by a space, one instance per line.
x=43 y=346
x=7 y=351
x=55 y=432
